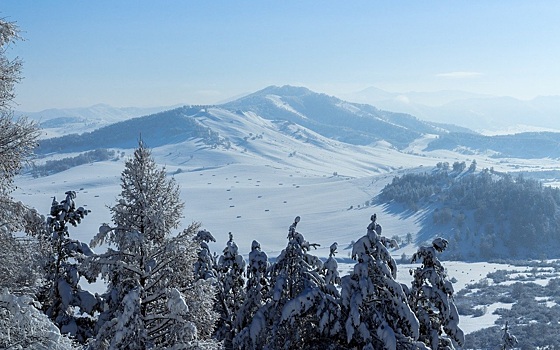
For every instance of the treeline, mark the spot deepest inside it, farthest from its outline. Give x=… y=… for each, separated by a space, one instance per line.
x=56 y=166
x=502 y=210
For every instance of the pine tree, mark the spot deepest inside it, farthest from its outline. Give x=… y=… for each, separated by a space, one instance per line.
x=431 y=298
x=257 y=290
x=297 y=302
x=377 y=314
x=205 y=266
x=153 y=298
x=63 y=300
x=231 y=291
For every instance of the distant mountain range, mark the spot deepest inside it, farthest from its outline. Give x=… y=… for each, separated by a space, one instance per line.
x=285 y=109
x=478 y=112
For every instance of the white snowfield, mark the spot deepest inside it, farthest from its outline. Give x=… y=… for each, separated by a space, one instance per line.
x=256 y=188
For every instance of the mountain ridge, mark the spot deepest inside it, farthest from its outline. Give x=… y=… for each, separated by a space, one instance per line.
x=474 y=111
x=329 y=116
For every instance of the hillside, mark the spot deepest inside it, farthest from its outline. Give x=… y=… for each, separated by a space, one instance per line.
x=485 y=215
x=59 y=122
x=334 y=118
x=284 y=109
x=162 y=128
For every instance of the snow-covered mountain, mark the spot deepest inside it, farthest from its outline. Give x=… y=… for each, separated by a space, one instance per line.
x=284 y=109
x=298 y=111
x=334 y=118
x=59 y=121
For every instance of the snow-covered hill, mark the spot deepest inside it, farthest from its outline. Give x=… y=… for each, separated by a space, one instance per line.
x=58 y=122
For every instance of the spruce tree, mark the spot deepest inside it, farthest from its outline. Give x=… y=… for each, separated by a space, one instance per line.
x=231 y=291
x=257 y=290
x=300 y=311
x=206 y=264
x=63 y=300
x=153 y=298
x=377 y=314
x=431 y=298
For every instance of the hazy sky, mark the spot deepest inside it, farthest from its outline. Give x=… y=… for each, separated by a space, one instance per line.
x=154 y=53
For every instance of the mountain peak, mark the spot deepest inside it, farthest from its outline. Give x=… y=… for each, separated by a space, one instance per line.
x=285 y=90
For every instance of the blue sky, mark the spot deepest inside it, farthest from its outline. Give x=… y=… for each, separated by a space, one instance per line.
x=156 y=53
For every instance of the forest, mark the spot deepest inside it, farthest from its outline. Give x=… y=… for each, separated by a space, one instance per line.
x=56 y=166
x=502 y=214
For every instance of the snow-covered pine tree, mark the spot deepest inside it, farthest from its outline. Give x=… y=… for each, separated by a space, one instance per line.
x=153 y=298
x=374 y=305
x=231 y=291
x=257 y=289
x=431 y=298
x=330 y=269
x=63 y=300
x=292 y=317
x=205 y=266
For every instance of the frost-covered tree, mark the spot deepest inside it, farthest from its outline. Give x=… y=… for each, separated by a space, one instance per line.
x=19 y=266
x=205 y=265
x=17 y=139
x=257 y=288
x=153 y=298
x=431 y=298
x=295 y=314
x=374 y=305
x=330 y=270
x=23 y=326
x=509 y=341
x=231 y=290
x=63 y=300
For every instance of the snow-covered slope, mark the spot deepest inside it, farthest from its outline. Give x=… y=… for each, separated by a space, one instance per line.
x=61 y=121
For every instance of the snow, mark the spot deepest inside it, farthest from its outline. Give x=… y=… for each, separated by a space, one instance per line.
x=471 y=324
x=277 y=100
x=255 y=189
